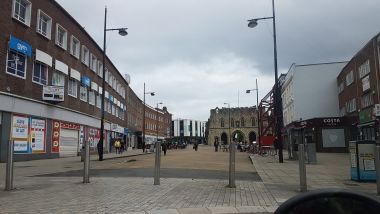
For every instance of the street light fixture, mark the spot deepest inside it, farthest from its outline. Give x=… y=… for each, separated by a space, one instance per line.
x=143 y=134
x=277 y=91
x=257 y=109
x=158 y=153
x=231 y=174
x=122 y=32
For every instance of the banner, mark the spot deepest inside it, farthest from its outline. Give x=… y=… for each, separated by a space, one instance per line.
x=20 y=134
x=55 y=137
x=37 y=135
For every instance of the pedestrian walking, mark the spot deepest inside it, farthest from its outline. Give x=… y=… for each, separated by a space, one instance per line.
x=195 y=146
x=100 y=150
x=275 y=144
x=216 y=144
x=143 y=147
x=164 y=146
x=117 y=146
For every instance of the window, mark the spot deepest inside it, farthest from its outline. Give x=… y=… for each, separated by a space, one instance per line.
x=40 y=73
x=98 y=101
x=85 y=55
x=75 y=47
x=237 y=124
x=221 y=122
x=16 y=64
x=242 y=122
x=113 y=109
x=253 y=121
x=350 y=78
x=83 y=93
x=351 y=105
x=106 y=77
x=58 y=79
x=364 y=69
x=100 y=69
x=44 y=24
x=232 y=122
x=22 y=11
x=91 y=98
x=109 y=107
x=341 y=87
x=93 y=63
x=72 y=88
x=61 y=37
x=367 y=100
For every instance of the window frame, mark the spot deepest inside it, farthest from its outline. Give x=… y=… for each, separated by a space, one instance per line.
x=91 y=101
x=76 y=87
x=25 y=63
x=47 y=73
x=49 y=24
x=84 y=99
x=57 y=72
x=93 y=60
x=85 y=56
x=28 y=12
x=78 y=50
x=57 y=42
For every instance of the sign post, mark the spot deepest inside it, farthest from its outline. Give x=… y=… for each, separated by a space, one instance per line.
x=9 y=172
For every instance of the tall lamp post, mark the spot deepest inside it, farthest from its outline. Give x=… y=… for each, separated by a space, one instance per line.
x=122 y=32
x=231 y=173
x=277 y=91
x=257 y=108
x=143 y=134
x=158 y=154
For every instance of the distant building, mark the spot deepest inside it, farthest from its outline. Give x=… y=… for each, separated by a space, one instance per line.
x=243 y=124
x=188 y=130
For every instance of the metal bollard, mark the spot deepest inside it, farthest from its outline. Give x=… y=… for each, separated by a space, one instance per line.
x=231 y=177
x=302 y=167
x=157 y=163
x=377 y=164
x=9 y=169
x=86 y=169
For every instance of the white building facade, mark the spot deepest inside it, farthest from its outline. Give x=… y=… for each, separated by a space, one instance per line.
x=188 y=128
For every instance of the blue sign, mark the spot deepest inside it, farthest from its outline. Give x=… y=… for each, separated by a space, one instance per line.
x=20 y=46
x=86 y=80
x=126 y=131
x=110 y=98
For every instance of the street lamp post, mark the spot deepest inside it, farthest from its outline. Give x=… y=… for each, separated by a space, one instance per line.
x=158 y=154
x=122 y=32
x=231 y=173
x=257 y=109
x=143 y=134
x=277 y=90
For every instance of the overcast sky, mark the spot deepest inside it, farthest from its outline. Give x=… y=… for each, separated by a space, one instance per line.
x=198 y=54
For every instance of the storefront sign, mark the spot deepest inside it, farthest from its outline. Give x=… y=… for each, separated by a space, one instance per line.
x=55 y=137
x=53 y=93
x=20 y=46
x=331 y=121
x=37 y=135
x=20 y=127
x=65 y=125
x=86 y=81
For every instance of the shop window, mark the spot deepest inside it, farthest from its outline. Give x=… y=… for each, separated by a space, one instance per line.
x=75 y=47
x=58 y=79
x=61 y=37
x=21 y=11
x=40 y=73
x=83 y=93
x=72 y=88
x=44 y=24
x=16 y=64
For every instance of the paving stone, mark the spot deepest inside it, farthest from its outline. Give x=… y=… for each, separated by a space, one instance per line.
x=194 y=210
x=220 y=210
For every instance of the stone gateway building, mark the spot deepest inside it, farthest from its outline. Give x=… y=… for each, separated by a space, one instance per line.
x=243 y=125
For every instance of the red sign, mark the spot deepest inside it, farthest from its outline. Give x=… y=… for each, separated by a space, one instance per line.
x=65 y=125
x=55 y=137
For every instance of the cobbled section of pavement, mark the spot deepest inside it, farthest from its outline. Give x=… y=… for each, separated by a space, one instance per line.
x=129 y=195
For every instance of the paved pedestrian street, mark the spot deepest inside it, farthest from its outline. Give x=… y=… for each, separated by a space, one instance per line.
x=191 y=182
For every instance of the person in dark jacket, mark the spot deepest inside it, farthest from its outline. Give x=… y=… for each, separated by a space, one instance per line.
x=164 y=147
x=100 y=150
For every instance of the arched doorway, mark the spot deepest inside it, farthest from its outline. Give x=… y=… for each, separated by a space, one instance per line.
x=224 y=138
x=252 y=137
x=238 y=136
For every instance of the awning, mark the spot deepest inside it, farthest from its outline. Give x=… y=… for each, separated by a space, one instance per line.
x=62 y=67
x=75 y=74
x=94 y=86
x=44 y=58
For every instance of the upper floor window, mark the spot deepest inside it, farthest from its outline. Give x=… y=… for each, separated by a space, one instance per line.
x=85 y=55
x=93 y=63
x=106 y=77
x=44 y=24
x=351 y=105
x=16 y=64
x=40 y=73
x=367 y=100
x=341 y=87
x=75 y=47
x=21 y=11
x=58 y=78
x=364 y=69
x=98 y=101
x=72 y=88
x=100 y=69
x=350 y=78
x=237 y=124
x=91 y=98
x=221 y=122
x=232 y=122
x=83 y=93
x=61 y=37
x=242 y=122
x=253 y=121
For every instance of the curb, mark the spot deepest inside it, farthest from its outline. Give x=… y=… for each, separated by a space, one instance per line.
x=126 y=156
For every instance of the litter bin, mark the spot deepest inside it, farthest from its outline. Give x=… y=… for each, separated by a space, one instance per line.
x=362 y=159
x=82 y=153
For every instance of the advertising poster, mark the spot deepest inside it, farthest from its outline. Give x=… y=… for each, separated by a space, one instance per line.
x=20 y=134
x=37 y=135
x=55 y=137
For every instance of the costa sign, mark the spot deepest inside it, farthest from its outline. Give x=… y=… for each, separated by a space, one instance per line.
x=331 y=121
